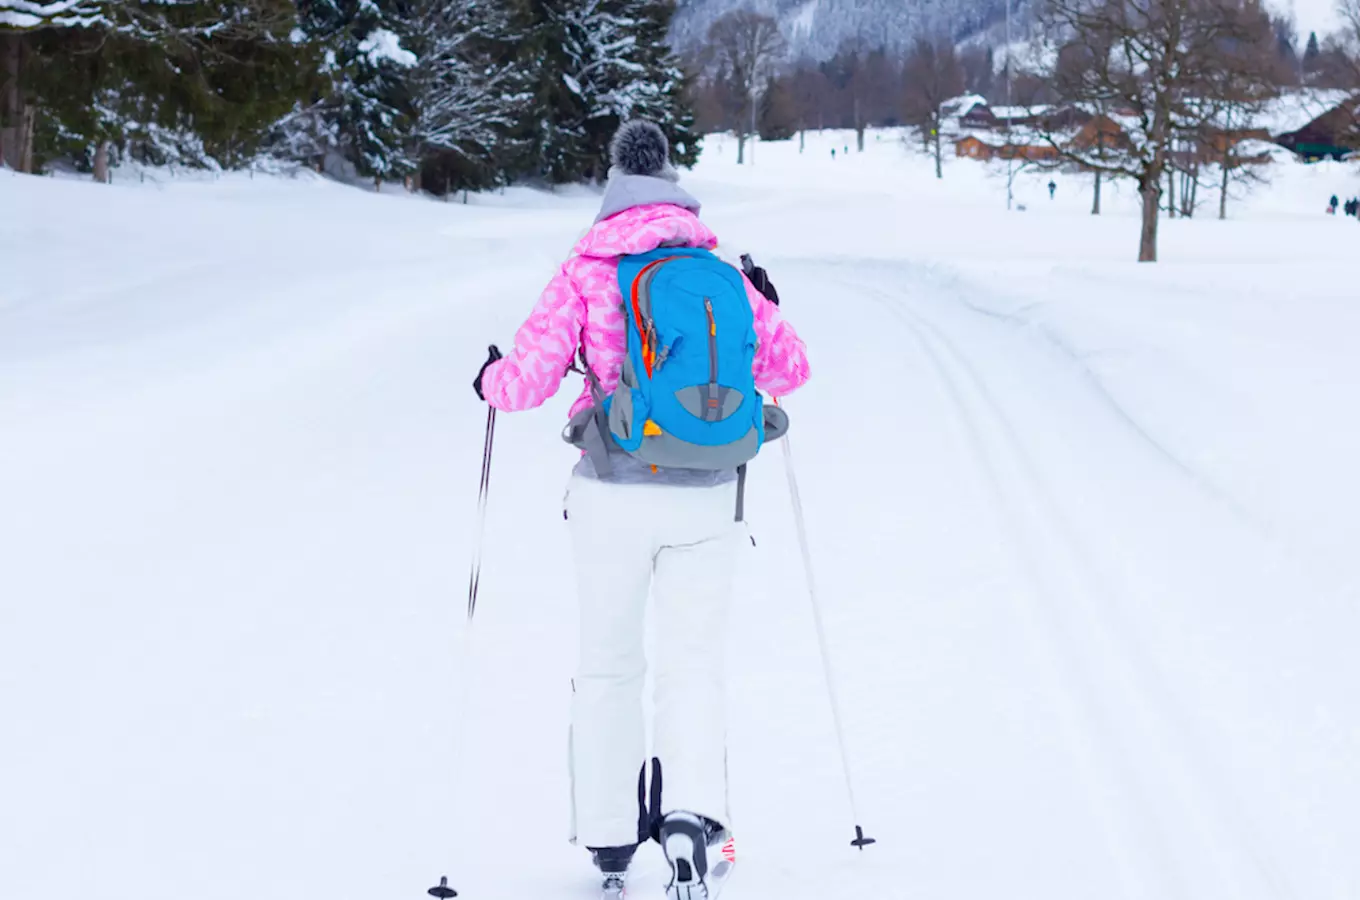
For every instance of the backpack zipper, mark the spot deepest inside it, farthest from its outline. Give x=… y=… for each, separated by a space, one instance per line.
x=711 y=413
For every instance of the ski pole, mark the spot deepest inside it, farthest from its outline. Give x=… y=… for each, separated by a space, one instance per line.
x=475 y=579
x=828 y=673
x=442 y=891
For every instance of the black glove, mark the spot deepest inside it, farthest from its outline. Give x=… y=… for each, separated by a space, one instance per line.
x=493 y=353
x=760 y=278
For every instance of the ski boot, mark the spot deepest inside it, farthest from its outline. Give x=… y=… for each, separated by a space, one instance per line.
x=613 y=865
x=701 y=854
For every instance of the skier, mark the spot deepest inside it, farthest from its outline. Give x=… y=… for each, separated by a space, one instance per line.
x=1052 y=188
x=637 y=527
x=1332 y=204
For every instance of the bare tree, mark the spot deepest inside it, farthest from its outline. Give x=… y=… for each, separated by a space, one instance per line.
x=809 y=99
x=747 y=46
x=931 y=77
x=978 y=70
x=1156 y=65
x=1346 y=58
x=845 y=74
x=1241 y=89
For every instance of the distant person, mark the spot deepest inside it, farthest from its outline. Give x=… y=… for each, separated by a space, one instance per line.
x=847 y=149
x=833 y=154
x=1052 y=188
x=1331 y=208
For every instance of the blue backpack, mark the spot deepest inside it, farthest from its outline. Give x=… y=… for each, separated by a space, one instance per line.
x=686 y=396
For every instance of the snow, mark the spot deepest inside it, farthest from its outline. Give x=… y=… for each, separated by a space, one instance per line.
x=1020 y=112
x=1319 y=16
x=26 y=14
x=1292 y=111
x=382 y=44
x=1084 y=532
x=804 y=18
x=962 y=105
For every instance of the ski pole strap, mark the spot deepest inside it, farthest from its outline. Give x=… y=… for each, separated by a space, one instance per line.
x=741 y=492
x=597 y=439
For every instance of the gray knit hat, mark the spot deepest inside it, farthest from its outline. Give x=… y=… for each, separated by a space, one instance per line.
x=640 y=147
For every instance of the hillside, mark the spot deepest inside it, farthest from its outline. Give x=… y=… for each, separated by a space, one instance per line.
x=816 y=28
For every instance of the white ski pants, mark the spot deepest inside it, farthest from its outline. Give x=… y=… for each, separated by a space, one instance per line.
x=680 y=544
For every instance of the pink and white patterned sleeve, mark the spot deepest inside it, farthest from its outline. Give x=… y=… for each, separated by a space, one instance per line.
x=544 y=346
x=781 y=358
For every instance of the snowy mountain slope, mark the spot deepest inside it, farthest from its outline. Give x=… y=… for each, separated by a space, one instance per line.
x=817 y=28
x=1084 y=531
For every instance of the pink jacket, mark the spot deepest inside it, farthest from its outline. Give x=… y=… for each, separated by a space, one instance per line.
x=582 y=306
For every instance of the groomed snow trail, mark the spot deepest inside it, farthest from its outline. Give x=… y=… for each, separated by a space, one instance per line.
x=1089 y=641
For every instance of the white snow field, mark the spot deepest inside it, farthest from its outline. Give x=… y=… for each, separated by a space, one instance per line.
x=1085 y=533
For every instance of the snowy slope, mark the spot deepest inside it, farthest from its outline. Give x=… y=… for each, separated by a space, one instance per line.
x=1084 y=529
x=819 y=28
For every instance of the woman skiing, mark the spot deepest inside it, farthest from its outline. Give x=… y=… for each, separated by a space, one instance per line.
x=638 y=526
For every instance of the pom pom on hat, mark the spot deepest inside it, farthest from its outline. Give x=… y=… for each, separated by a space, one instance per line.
x=640 y=147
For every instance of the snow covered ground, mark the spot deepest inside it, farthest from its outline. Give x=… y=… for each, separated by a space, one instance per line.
x=1085 y=532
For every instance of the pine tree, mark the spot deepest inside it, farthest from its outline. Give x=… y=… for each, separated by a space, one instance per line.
x=1312 y=55
x=595 y=64
x=179 y=81
x=606 y=73
x=551 y=136
x=467 y=92
x=670 y=105
x=366 y=109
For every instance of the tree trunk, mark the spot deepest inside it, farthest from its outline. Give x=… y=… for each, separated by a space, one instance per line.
x=741 y=148
x=11 y=102
x=1223 y=192
x=939 y=156
x=1171 y=198
x=1192 y=192
x=28 y=126
x=755 y=129
x=101 y=163
x=1095 y=204
x=377 y=185
x=802 y=139
x=859 y=129
x=1151 y=189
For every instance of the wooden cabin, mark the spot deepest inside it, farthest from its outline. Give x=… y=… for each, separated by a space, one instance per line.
x=980 y=116
x=971 y=146
x=1332 y=135
x=1100 y=131
x=995 y=146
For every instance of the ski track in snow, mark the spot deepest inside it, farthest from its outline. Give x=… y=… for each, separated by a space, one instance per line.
x=1100 y=678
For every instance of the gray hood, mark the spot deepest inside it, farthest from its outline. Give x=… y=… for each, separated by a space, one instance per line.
x=627 y=191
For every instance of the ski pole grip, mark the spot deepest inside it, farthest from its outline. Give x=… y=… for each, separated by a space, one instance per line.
x=747 y=265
